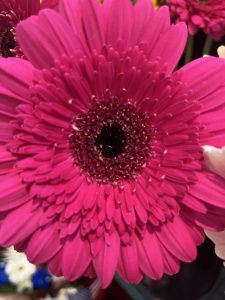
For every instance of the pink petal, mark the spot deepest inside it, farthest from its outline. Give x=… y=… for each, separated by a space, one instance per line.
x=55 y=264
x=177 y=239
x=88 y=22
x=150 y=256
x=168 y=48
x=197 y=75
x=128 y=264
x=196 y=232
x=209 y=190
x=17 y=76
x=79 y=250
x=143 y=20
x=105 y=262
x=171 y=263
x=123 y=13
x=19 y=224
x=43 y=245
x=45 y=38
x=12 y=192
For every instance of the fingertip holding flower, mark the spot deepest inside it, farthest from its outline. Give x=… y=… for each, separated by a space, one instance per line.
x=221 y=51
x=215 y=159
x=218 y=238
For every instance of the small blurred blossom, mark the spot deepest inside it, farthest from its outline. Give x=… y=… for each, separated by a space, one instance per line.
x=207 y=15
x=64 y=294
x=19 y=270
x=4 y=279
x=41 y=279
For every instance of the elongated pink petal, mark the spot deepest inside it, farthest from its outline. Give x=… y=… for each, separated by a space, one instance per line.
x=13 y=193
x=176 y=238
x=10 y=73
x=43 y=245
x=170 y=54
x=197 y=74
x=46 y=36
x=128 y=267
x=19 y=224
x=105 y=262
x=150 y=256
x=88 y=22
x=79 y=250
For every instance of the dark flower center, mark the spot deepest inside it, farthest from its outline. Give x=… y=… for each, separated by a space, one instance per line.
x=111 y=141
x=7 y=43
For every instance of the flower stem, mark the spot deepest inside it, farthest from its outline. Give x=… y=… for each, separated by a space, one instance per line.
x=207 y=46
x=189 y=49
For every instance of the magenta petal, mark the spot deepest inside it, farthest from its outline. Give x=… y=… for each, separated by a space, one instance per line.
x=143 y=16
x=88 y=21
x=128 y=265
x=12 y=192
x=197 y=75
x=55 y=264
x=150 y=256
x=7 y=160
x=45 y=38
x=177 y=239
x=19 y=224
x=158 y=23
x=168 y=48
x=43 y=245
x=16 y=75
x=8 y=105
x=196 y=232
x=105 y=262
x=76 y=257
x=171 y=263
x=122 y=12
x=209 y=190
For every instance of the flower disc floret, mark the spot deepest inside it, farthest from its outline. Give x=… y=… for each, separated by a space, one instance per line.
x=111 y=142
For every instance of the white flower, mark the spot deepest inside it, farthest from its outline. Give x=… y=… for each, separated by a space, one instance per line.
x=64 y=293
x=19 y=269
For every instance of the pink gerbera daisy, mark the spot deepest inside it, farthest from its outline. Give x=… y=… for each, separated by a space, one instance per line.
x=11 y=12
x=101 y=162
x=209 y=15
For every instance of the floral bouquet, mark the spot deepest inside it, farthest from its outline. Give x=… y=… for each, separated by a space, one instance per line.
x=101 y=135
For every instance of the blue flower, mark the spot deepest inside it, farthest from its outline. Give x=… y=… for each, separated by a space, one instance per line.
x=41 y=279
x=4 y=279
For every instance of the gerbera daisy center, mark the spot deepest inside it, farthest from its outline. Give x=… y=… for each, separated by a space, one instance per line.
x=111 y=142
